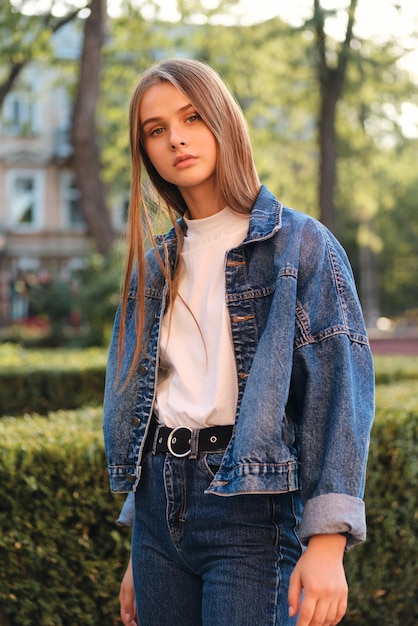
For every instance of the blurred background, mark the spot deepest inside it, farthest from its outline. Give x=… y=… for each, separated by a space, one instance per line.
x=329 y=90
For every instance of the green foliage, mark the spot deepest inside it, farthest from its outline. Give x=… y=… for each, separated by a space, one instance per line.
x=52 y=301
x=61 y=554
x=398 y=260
x=377 y=182
x=98 y=296
x=382 y=572
x=47 y=380
x=77 y=312
x=391 y=369
x=23 y=36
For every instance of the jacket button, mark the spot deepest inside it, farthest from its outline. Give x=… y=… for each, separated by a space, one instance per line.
x=135 y=421
x=130 y=477
x=142 y=370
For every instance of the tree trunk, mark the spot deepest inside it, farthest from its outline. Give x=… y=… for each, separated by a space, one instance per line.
x=86 y=159
x=331 y=80
x=327 y=156
x=10 y=80
x=368 y=285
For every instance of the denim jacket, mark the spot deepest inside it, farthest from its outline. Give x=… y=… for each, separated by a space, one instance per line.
x=304 y=371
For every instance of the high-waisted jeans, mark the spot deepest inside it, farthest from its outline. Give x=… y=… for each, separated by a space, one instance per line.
x=206 y=560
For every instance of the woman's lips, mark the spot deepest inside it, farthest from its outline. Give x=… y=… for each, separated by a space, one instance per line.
x=184 y=160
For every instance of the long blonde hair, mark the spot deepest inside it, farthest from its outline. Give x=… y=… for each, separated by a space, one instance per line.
x=236 y=177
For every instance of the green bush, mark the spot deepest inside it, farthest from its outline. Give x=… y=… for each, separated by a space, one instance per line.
x=383 y=571
x=48 y=380
x=390 y=369
x=75 y=312
x=99 y=296
x=61 y=554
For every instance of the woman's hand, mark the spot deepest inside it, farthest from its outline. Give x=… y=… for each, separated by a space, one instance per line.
x=127 y=598
x=319 y=573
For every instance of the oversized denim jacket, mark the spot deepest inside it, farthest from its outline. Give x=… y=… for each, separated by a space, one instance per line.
x=304 y=371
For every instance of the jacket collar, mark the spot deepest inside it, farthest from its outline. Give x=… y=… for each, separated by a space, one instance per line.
x=265 y=220
x=266 y=216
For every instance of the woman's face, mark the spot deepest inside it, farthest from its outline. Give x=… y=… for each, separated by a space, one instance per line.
x=179 y=144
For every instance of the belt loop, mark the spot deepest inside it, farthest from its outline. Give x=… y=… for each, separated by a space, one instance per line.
x=194 y=444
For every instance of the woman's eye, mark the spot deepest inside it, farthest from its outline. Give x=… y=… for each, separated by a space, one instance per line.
x=157 y=131
x=193 y=118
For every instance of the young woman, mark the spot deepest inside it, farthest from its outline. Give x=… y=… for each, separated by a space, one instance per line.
x=239 y=388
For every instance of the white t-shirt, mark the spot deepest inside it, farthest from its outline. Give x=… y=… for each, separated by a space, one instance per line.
x=197 y=383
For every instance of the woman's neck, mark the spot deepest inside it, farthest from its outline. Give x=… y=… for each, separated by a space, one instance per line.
x=202 y=204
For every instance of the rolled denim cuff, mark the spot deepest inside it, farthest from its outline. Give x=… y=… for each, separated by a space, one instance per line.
x=127 y=514
x=334 y=513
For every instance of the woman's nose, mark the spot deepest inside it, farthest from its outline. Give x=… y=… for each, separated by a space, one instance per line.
x=176 y=139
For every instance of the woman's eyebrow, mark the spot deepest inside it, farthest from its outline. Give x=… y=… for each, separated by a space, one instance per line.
x=151 y=120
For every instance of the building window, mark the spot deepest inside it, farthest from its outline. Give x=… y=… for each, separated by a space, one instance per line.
x=73 y=217
x=19 y=113
x=25 y=194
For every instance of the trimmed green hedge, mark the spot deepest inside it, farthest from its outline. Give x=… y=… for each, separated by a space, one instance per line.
x=39 y=381
x=61 y=554
x=383 y=572
x=391 y=369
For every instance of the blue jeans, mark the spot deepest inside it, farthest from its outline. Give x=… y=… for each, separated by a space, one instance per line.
x=206 y=560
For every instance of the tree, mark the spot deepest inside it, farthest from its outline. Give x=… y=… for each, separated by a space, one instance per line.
x=86 y=159
x=370 y=142
x=24 y=38
x=331 y=75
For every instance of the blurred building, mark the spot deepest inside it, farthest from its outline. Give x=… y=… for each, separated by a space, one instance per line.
x=42 y=229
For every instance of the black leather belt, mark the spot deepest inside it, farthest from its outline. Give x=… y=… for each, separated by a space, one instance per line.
x=183 y=441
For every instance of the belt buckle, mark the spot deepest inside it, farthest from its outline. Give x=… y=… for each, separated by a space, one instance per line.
x=172 y=440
